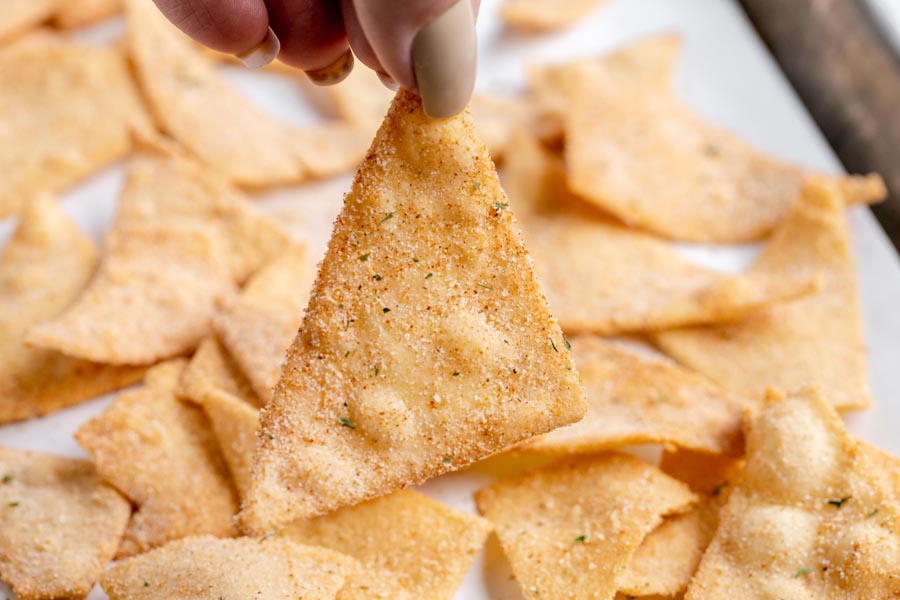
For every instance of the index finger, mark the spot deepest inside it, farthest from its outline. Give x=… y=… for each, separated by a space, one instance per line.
x=231 y=26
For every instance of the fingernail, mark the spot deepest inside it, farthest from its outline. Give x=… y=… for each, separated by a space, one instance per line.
x=444 y=56
x=334 y=73
x=263 y=53
x=388 y=81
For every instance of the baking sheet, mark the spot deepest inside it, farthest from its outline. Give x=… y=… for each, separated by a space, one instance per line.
x=725 y=72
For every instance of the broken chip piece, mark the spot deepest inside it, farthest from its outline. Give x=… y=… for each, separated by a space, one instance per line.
x=60 y=524
x=162 y=453
x=426 y=337
x=570 y=529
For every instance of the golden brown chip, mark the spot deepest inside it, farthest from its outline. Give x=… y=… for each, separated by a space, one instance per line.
x=43 y=268
x=207 y=568
x=816 y=340
x=166 y=191
x=602 y=277
x=707 y=474
x=427 y=343
x=227 y=131
x=258 y=327
x=211 y=369
x=634 y=148
x=637 y=400
x=808 y=517
x=365 y=584
x=420 y=543
x=545 y=15
x=78 y=13
x=162 y=453
x=153 y=297
x=17 y=16
x=234 y=422
x=569 y=530
x=69 y=110
x=60 y=524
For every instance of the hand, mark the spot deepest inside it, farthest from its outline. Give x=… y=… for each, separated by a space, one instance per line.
x=422 y=45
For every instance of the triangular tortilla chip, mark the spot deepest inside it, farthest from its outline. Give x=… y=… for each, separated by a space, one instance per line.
x=544 y=15
x=227 y=131
x=78 y=13
x=17 y=16
x=638 y=400
x=602 y=277
x=60 y=524
x=161 y=452
x=258 y=326
x=43 y=268
x=816 y=340
x=207 y=568
x=234 y=423
x=168 y=190
x=808 y=517
x=427 y=343
x=70 y=109
x=639 y=151
x=212 y=369
x=427 y=546
x=153 y=297
x=570 y=529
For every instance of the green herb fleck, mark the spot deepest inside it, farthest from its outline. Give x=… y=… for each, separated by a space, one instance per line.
x=346 y=354
x=456 y=373
x=429 y=276
x=270 y=436
x=581 y=538
x=13 y=504
x=376 y=369
x=146 y=584
x=482 y=285
x=7 y=478
x=385 y=310
x=477 y=185
x=566 y=342
x=718 y=489
x=802 y=571
x=552 y=343
x=839 y=503
x=872 y=513
x=447 y=460
x=498 y=206
x=569 y=368
x=376 y=277
x=364 y=257
x=414 y=259
x=387 y=217
x=347 y=422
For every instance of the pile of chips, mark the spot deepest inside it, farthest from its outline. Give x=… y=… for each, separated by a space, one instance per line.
x=279 y=410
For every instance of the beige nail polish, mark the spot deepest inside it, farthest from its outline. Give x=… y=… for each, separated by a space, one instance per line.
x=263 y=53
x=444 y=57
